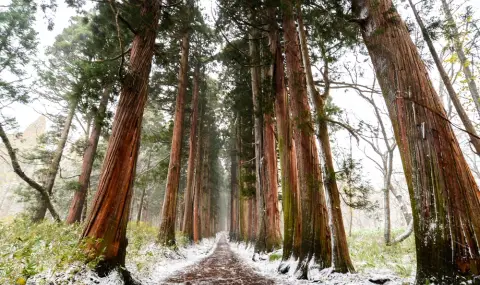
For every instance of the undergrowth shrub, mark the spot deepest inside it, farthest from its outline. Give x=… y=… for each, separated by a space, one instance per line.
x=28 y=248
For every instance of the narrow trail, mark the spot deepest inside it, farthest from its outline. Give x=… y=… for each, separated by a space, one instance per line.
x=223 y=266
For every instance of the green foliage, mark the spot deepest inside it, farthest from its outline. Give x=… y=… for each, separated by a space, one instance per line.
x=28 y=248
x=17 y=47
x=356 y=190
x=368 y=251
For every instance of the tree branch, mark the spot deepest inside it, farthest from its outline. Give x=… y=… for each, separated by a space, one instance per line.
x=18 y=170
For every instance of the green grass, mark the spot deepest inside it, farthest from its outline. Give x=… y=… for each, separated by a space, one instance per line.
x=368 y=251
x=274 y=256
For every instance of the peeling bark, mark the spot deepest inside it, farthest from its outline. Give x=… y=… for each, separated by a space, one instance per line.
x=341 y=261
x=314 y=218
x=467 y=123
x=442 y=189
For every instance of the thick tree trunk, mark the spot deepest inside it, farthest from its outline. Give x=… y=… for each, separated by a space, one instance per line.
x=107 y=222
x=457 y=44
x=340 y=255
x=78 y=201
x=166 y=235
x=467 y=123
x=309 y=175
x=286 y=150
x=273 y=236
x=187 y=226
x=442 y=189
x=41 y=209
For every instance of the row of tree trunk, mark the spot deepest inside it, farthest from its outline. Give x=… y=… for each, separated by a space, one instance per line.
x=443 y=192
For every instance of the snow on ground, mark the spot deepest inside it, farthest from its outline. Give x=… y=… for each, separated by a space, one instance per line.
x=161 y=262
x=265 y=267
x=150 y=267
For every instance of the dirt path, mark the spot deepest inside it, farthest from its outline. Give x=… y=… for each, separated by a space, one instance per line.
x=221 y=267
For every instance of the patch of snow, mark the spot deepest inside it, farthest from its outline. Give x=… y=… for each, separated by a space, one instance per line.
x=270 y=269
x=163 y=262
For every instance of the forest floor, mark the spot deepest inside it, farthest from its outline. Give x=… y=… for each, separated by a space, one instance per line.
x=49 y=253
x=223 y=266
x=235 y=263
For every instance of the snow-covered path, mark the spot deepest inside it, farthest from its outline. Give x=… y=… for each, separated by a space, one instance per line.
x=223 y=266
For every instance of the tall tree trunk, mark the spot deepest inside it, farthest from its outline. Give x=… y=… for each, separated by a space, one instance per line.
x=467 y=123
x=260 y=243
x=286 y=150
x=187 y=226
x=442 y=189
x=234 y=183
x=457 y=44
x=273 y=237
x=78 y=201
x=41 y=209
x=107 y=222
x=340 y=255
x=309 y=175
x=166 y=235
x=198 y=184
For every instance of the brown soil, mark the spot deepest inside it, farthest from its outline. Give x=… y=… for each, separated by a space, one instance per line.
x=221 y=267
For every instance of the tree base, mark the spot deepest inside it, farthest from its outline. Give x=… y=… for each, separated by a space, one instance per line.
x=103 y=269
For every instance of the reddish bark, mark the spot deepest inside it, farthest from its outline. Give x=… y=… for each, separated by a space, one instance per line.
x=107 y=223
x=340 y=255
x=273 y=236
x=166 y=235
x=78 y=201
x=309 y=175
x=442 y=189
x=286 y=150
x=187 y=226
